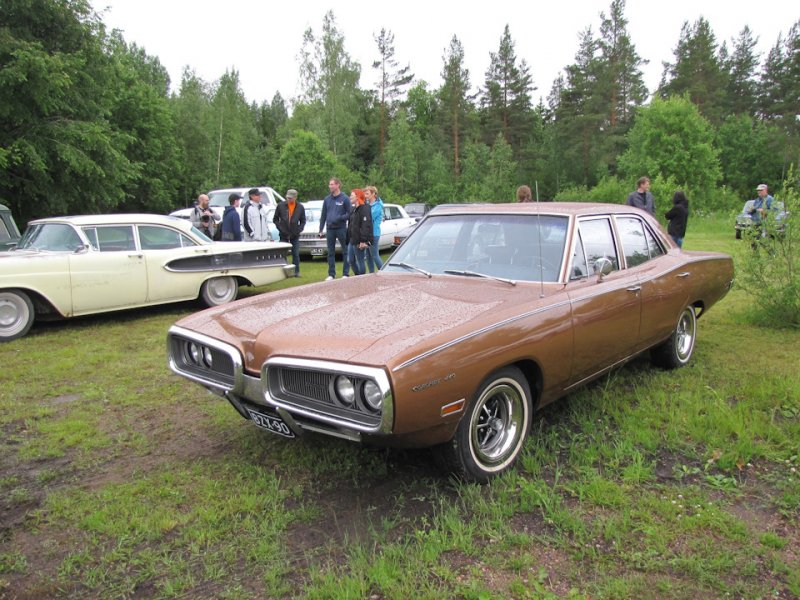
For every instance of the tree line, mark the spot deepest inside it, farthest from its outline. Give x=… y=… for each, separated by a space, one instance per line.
x=89 y=123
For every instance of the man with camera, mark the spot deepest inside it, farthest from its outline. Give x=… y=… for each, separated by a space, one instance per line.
x=203 y=217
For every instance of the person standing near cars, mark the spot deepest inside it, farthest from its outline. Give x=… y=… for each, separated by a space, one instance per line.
x=359 y=230
x=642 y=198
x=254 y=217
x=677 y=216
x=203 y=217
x=231 y=223
x=335 y=210
x=374 y=261
x=761 y=205
x=290 y=219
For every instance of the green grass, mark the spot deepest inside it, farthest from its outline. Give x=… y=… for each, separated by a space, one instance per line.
x=120 y=479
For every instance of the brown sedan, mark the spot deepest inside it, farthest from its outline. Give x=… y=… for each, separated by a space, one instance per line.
x=486 y=313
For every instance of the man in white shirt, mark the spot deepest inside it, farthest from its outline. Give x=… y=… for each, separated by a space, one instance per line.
x=254 y=219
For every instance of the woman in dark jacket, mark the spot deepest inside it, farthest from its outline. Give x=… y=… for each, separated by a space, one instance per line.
x=677 y=217
x=359 y=229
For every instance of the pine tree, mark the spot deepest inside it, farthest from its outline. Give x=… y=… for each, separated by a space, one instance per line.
x=697 y=71
x=391 y=83
x=620 y=84
x=506 y=97
x=579 y=113
x=454 y=97
x=741 y=67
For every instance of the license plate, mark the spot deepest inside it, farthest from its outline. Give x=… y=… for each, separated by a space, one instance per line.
x=271 y=423
x=317 y=252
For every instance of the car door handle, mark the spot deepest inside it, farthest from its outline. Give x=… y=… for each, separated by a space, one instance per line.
x=201 y=251
x=635 y=288
x=685 y=274
x=135 y=255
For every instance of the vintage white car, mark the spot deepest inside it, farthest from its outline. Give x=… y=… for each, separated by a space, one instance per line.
x=69 y=266
x=395 y=219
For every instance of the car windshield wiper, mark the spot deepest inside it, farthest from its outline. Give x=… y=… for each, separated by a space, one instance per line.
x=405 y=265
x=484 y=275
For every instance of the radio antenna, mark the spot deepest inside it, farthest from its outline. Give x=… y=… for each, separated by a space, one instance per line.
x=539 y=235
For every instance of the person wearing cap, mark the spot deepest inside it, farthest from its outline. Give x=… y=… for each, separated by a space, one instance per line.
x=290 y=219
x=642 y=198
x=761 y=205
x=231 y=223
x=254 y=219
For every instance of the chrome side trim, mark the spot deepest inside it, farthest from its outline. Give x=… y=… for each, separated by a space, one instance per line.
x=481 y=331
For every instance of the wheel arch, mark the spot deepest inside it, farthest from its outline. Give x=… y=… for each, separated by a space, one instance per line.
x=42 y=306
x=532 y=372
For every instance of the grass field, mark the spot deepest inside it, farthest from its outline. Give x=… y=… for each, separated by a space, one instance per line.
x=121 y=480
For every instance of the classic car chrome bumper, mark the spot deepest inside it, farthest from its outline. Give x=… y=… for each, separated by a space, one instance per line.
x=303 y=392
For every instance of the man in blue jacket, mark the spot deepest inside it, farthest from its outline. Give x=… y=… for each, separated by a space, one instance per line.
x=231 y=224
x=335 y=211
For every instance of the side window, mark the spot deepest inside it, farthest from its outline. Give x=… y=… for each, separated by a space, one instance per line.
x=652 y=243
x=91 y=234
x=634 y=243
x=598 y=242
x=152 y=237
x=4 y=235
x=115 y=238
x=391 y=212
x=579 y=267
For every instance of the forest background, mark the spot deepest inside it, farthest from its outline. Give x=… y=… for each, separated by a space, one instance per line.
x=88 y=121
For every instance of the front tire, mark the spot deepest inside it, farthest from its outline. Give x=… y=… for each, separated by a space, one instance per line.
x=219 y=290
x=16 y=314
x=677 y=350
x=491 y=434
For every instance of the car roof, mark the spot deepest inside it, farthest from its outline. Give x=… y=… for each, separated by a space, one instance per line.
x=577 y=209
x=143 y=218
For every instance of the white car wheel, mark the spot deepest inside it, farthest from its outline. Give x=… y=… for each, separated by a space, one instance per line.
x=492 y=432
x=16 y=314
x=219 y=290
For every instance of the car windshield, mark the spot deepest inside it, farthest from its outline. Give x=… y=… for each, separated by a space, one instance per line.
x=415 y=210
x=55 y=237
x=518 y=247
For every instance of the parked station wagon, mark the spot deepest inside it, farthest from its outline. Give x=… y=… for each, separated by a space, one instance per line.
x=484 y=314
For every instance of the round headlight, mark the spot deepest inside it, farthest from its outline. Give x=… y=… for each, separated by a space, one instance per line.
x=373 y=395
x=195 y=353
x=207 y=358
x=345 y=390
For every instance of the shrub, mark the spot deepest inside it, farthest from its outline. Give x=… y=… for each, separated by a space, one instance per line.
x=769 y=267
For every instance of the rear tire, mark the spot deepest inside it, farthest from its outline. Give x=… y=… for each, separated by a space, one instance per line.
x=16 y=314
x=491 y=434
x=219 y=290
x=677 y=350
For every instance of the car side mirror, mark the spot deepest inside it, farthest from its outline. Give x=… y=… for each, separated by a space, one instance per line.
x=602 y=267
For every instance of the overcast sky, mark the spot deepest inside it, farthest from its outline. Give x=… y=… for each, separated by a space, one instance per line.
x=262 y=39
